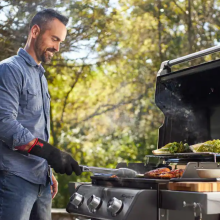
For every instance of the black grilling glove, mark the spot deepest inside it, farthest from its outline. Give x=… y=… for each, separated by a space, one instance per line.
x=60 y=161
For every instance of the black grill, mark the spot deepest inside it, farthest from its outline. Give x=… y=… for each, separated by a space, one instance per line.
x=190 y=101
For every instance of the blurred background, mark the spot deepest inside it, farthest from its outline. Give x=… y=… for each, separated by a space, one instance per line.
x=102 y=83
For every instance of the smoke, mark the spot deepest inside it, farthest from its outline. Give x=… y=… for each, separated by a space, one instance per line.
x=186 y=121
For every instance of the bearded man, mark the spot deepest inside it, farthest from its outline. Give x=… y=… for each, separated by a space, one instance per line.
x=27 y=184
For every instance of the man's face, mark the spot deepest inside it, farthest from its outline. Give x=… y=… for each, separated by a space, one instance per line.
x=48 y=42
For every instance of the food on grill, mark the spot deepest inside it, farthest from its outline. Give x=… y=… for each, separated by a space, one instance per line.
x=113 y=176
x=164 y=173
x=174 y=147
x=157 y=172
x=172 y=174
x=179 y=172
x=168 y=175
x=208 y=146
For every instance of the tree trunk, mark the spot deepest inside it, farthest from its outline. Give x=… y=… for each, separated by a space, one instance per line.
x=190 y=43
x=160 y=31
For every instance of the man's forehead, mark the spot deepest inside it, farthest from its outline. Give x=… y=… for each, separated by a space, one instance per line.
x=57 y=28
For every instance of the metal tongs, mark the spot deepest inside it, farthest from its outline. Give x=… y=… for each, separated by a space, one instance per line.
x=121 y=172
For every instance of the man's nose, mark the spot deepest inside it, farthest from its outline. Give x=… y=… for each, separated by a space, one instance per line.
x=57 y=47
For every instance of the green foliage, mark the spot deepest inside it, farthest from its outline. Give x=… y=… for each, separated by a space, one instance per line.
x=102 y=91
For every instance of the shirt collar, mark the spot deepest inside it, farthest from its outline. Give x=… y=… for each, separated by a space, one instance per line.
x=29 y=59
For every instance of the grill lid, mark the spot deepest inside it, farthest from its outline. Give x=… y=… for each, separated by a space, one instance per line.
x=190 y=102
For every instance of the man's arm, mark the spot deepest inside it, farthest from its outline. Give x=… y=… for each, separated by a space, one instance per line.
x=11 y=131
x=19 y=138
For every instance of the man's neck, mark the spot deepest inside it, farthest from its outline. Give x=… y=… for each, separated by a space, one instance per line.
x=29 y=50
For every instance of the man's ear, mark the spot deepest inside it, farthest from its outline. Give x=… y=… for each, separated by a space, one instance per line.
x=35 y=31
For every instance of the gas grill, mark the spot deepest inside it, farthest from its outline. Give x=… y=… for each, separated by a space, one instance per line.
x=190 y=101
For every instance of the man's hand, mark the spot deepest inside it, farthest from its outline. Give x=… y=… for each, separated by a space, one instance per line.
x=54 y=187
x=60 y=161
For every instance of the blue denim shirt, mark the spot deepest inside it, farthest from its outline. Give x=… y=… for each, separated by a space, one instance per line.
x=24 y=115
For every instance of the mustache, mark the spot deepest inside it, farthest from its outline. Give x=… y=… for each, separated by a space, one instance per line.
x=50 y=50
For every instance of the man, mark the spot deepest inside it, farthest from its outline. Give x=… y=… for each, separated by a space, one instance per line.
x=25 y=155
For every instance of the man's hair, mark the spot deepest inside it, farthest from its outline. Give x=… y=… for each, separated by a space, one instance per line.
x=43 y=17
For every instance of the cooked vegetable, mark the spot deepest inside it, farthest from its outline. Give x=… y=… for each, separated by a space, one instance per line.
x=210 y=146
x=175 y=147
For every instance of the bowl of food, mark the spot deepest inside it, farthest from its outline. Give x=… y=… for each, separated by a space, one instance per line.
x=208 y=173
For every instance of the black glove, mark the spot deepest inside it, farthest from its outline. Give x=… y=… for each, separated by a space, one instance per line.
x=60 y=161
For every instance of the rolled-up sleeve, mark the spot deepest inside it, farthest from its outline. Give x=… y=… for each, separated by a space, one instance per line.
x=11 y=131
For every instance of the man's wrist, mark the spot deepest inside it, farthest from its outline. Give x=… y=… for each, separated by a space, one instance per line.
x=32 y=144
x=28 y=146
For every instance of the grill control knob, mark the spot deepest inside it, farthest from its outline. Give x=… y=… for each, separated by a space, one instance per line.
x=94 y=203
x=115 y=206
x=77 y=200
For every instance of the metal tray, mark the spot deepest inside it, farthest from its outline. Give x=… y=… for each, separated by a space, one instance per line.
x=185 y=154
x=199 y=156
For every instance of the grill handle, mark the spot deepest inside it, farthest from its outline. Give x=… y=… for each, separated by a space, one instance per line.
x=165 y=67
x=195 y=206
x=194 y=55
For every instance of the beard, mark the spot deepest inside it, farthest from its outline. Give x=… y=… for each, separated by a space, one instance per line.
x=44 y=55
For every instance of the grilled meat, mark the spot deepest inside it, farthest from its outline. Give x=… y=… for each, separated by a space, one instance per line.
x=168 y=175
x=164 y=173
x=113 y=176
x=172 y=174
x=157 y=172
x=179 y=173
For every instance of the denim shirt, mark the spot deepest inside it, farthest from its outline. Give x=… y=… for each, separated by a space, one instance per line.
x=24 y=115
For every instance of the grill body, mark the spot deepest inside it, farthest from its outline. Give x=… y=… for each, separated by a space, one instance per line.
x=190 y=101
x=133 y=200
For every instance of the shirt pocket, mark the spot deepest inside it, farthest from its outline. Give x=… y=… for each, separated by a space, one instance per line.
x=34 y=100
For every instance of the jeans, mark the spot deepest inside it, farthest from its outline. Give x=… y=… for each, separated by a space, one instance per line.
x=23 y=200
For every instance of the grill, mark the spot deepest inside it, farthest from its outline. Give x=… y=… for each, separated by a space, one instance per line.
x=190 y=101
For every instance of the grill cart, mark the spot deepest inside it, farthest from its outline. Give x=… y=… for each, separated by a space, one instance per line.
x=190 y=101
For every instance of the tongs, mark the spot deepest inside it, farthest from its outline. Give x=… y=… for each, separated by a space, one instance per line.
x=121 y=172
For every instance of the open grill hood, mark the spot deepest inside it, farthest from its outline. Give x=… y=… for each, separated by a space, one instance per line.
x=189 y=100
